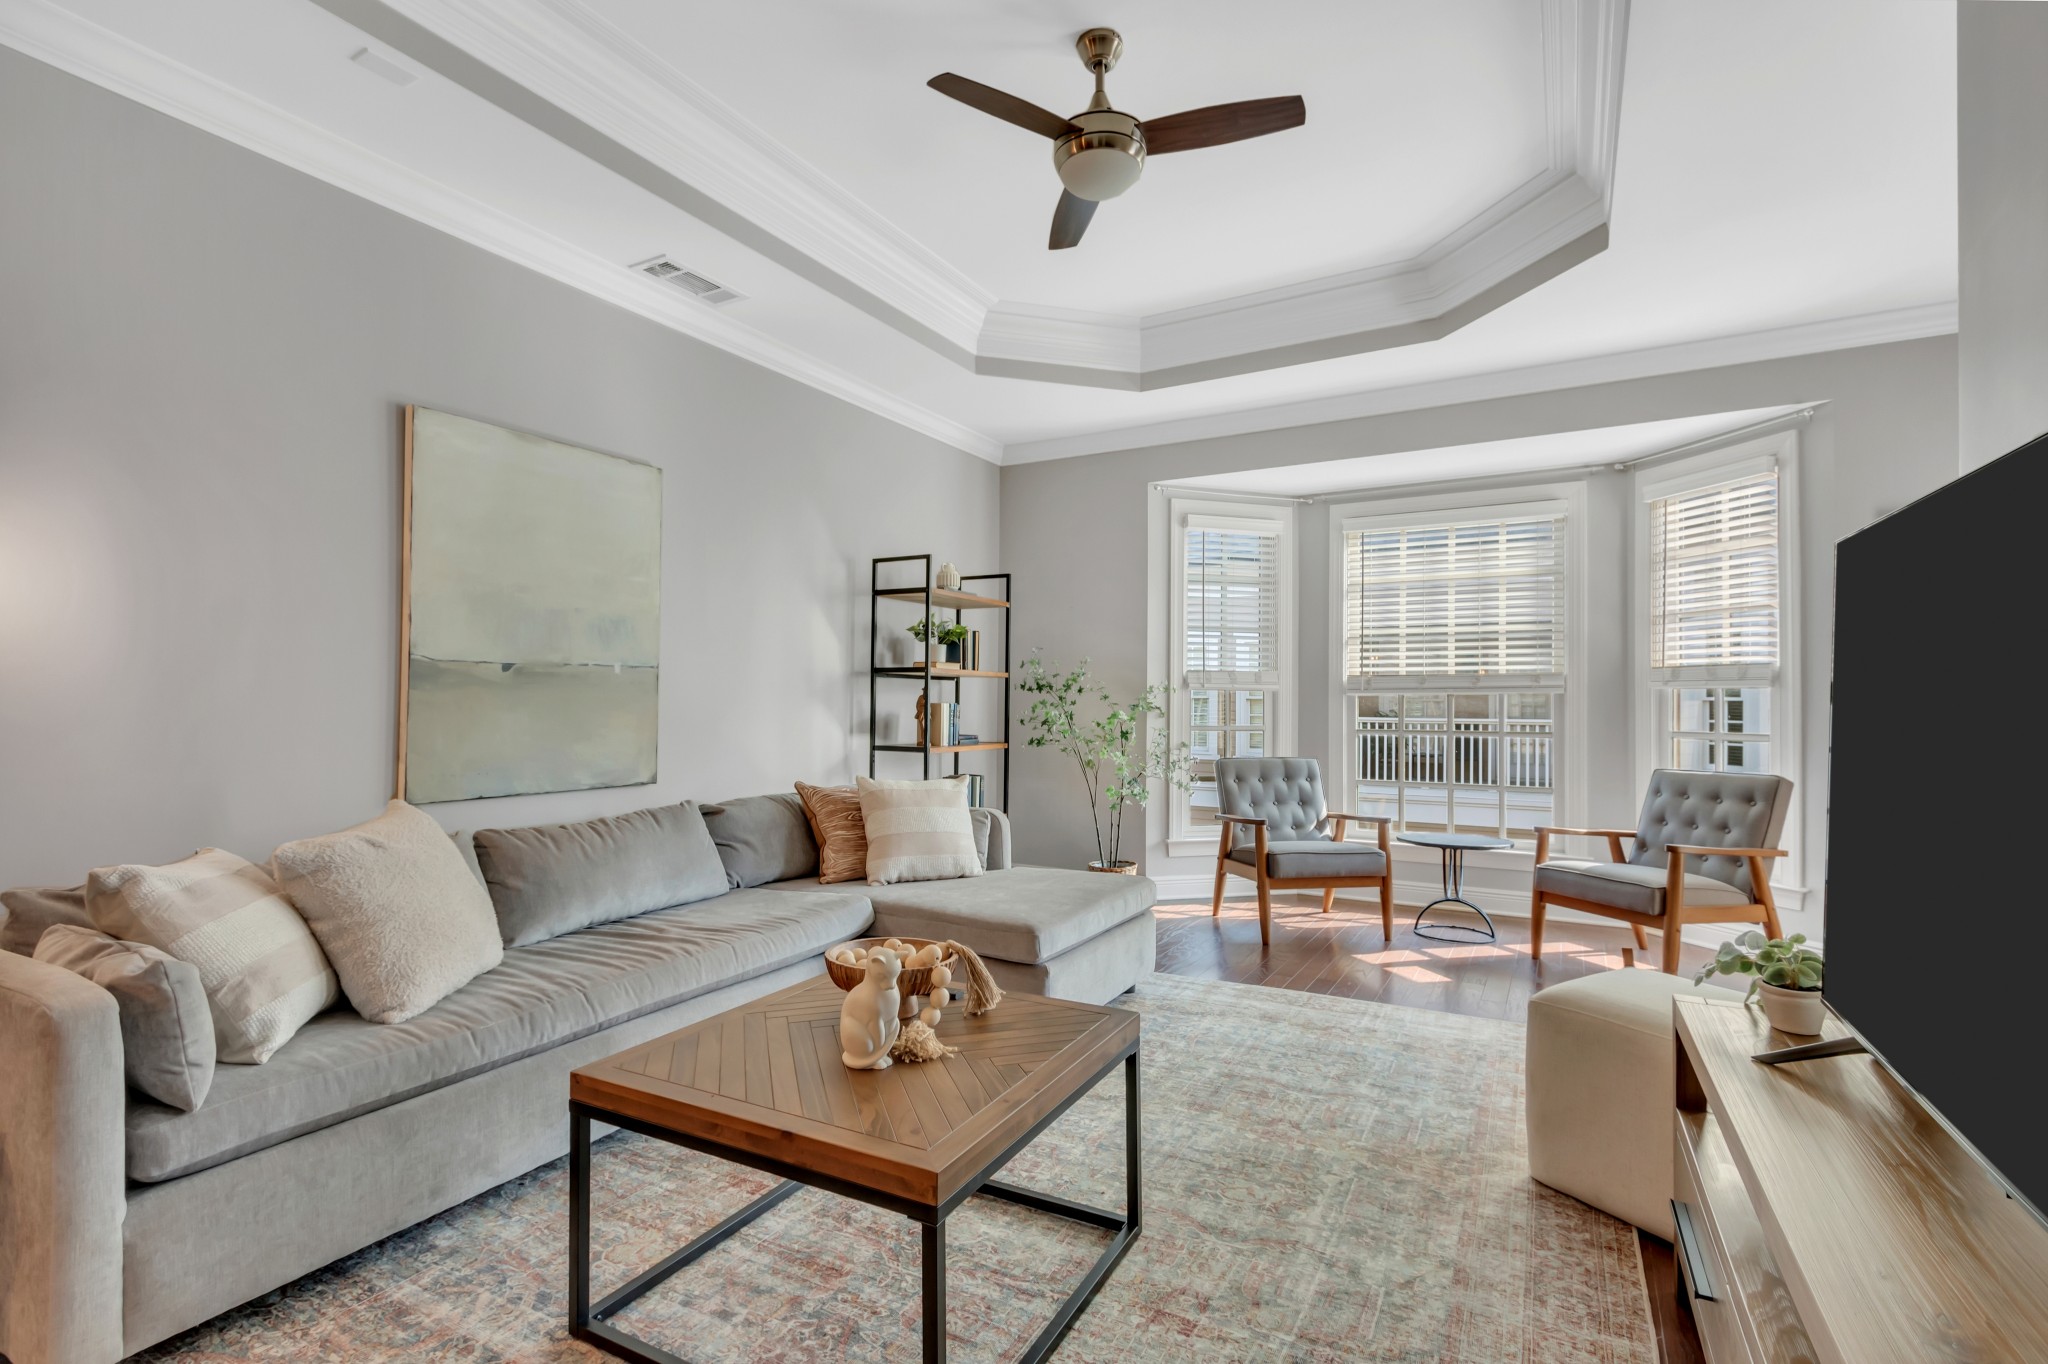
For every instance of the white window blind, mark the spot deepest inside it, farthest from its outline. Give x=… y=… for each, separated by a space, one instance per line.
x=1714 y=581
x=1471 y=601
x=1231 y=610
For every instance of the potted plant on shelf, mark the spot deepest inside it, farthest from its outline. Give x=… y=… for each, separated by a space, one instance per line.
x=1785 y=972
x=949 y=637
x=1118 y=763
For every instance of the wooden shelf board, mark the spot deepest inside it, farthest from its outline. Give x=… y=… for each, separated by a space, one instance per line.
x=938 y=674
x=949 y=598
x=936 y=748
x=1894 y=1243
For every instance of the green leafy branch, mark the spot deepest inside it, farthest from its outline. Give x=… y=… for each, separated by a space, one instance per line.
x=1118 y=763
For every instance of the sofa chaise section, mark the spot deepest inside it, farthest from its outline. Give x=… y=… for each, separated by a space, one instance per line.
x=1042 y=930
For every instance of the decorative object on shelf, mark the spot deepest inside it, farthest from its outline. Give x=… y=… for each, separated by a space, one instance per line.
x=949 y=636
x=868 y=1020
x=530 y=634
x=1784 y=973
x=1118 y=763
x=948 y=578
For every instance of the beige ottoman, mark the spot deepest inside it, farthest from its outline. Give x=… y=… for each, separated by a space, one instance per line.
x=1601 y=1073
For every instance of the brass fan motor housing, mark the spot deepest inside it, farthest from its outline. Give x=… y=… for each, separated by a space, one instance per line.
x=1111 y=148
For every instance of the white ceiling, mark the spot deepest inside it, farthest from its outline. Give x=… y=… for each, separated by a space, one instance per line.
x=1784 y=180
x=1523 y=455
x=1420 y=115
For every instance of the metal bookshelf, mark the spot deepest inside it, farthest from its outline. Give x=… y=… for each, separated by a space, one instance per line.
x=930 y=673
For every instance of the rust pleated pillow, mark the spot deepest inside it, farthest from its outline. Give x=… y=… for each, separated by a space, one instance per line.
x=834 y=812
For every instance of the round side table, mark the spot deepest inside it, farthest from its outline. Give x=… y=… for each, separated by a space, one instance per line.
x=1454 y=848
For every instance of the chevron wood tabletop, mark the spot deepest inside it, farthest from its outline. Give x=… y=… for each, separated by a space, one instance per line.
x=766 y=1078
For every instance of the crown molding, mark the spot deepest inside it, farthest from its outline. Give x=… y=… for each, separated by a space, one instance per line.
x=590 y=69
x=60 y=38
x=1812 y=338
x=616 y=89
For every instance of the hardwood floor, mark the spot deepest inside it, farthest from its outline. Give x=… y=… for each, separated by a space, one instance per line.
x=1343 y=953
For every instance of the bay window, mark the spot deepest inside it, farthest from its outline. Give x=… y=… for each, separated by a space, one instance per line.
x=1454 y=664
x=1231 y=642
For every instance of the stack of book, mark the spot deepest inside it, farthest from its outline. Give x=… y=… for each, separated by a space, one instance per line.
x=942 y=723
x=974 y=788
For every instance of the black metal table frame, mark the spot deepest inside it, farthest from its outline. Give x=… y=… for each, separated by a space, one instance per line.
x=588 y=1320
x=1454 y=894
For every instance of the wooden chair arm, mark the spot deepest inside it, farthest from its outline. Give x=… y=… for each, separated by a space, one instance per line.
x=1360 y=819
x=1688 y=850
x=1240 y=819
x=1336 y=819
x=1613 y=837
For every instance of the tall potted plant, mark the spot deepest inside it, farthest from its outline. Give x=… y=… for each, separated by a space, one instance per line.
x=1118 y=762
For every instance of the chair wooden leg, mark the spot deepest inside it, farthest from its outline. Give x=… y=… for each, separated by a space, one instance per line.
x=1642 y=938
x=1387 y=907
x=1265 y=912
x=1536 y=926
x=1222 y=872
x=1674 y=943
x=1329 y=898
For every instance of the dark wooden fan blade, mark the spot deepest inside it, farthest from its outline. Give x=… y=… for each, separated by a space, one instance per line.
x=1008 y=108
x=1070 y=220
x=1220 y=123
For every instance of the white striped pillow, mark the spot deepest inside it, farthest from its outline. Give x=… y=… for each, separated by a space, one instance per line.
x=917 y=830
x=263 y=972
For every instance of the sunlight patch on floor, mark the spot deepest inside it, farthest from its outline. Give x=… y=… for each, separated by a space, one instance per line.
x=1421 y=975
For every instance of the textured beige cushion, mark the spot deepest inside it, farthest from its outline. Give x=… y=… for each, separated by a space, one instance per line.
x=1601 y=1076
x=26 y=911
x=396 y=910
x=834 y=812
x=263 y=972
x=166 y=1027
x=917 y=830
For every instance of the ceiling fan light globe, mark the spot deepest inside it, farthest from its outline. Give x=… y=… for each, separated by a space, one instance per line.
x=1100 y=173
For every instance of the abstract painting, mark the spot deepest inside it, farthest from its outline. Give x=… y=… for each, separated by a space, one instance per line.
x=531 y=626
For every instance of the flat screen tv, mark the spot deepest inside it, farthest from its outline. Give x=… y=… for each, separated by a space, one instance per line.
x=1937 y=913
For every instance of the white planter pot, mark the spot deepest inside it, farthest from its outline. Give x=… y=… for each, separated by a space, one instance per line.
x=1794 y=1011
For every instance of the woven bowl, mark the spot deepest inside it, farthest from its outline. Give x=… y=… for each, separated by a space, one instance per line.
x=913 y=983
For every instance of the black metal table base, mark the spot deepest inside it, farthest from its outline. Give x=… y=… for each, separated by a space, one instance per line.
x=590 y=1321
x=1454 y=888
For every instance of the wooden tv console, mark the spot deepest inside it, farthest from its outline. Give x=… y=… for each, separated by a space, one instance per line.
x=1824 y=1215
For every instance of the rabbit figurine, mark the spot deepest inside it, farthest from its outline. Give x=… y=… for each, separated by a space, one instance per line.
x=868 y=1022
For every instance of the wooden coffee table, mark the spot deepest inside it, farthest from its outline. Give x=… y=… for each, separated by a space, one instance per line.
x=762 y=1085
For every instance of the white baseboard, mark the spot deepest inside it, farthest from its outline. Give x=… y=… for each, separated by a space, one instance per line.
x=1501 y=904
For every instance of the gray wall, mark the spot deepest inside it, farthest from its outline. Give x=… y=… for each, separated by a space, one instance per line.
x=2002 y=221
x=202 y=359
x=1076 y=536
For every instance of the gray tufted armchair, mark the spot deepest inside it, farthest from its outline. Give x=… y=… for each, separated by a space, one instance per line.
x=1278 y=832
x=1700 y=848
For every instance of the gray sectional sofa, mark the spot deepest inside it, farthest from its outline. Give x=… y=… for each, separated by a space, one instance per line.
x=124 y=1222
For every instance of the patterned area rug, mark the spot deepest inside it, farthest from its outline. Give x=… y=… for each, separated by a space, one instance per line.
x=1325 y=1179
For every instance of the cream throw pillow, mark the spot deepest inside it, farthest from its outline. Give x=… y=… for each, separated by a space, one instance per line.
x=263 y=973
x=917 y=830
x=396 y=909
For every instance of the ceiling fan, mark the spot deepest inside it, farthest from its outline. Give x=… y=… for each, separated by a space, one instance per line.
x=1100 y=152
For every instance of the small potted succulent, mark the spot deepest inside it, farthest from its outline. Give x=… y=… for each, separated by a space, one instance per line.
x=949 y=638
x=1784 y=972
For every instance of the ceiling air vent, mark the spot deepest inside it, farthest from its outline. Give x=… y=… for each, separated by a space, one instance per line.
x=689 y=281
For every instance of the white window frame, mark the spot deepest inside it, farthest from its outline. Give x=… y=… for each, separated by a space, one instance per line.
x=1434 y=508
x=1652 y=697
x=1183 y=838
